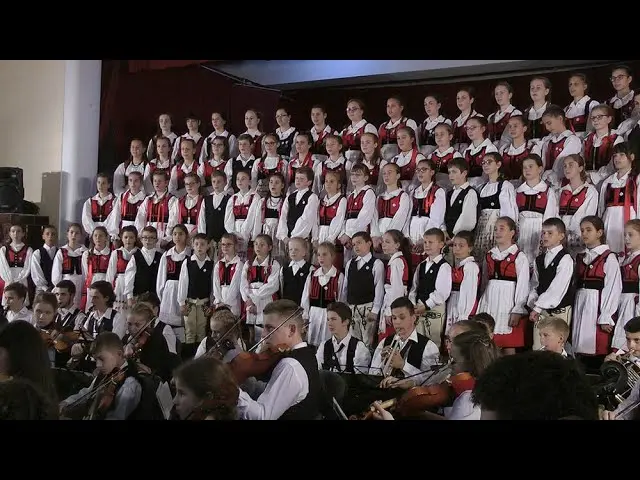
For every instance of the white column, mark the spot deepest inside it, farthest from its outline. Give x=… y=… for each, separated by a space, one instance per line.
x=80 y=138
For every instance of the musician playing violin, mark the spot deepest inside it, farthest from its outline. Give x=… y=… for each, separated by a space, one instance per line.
x=223 y=323
x=47 y=322
x=415 y=355
x=108 y=352
x=293 y=391
x=205 y=390
x=150 y=346
x=472 y=352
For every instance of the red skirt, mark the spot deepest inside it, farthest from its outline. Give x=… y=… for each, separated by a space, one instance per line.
x=515 y=339
x=603 y=342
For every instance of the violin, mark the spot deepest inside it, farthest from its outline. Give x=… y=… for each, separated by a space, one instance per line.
x=61 y=341
x=105 y=397
x=414 y=401
x=249 y=364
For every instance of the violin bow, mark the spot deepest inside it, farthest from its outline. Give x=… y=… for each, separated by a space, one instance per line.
x=262 y=340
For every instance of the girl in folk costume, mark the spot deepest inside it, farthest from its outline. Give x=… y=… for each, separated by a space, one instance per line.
x=619 y=201
x=361 y=208
x=479 y=146
x=266 y=216
x=324 y=286
x=540 y=93
x=219 y=123
x=285 y=134
x=630 y=273
x=118 y=264
x=319 y=131
x=335 y=162
x=126 y=206
x=243 y=162
x=227 y=273
x=576 y=200
x=240 y=212
x=193 y=133
x=393 y=208
x=396 y=277
x=387 y=131
x=536 y=202
x=216 y=160
x=598 y=289
x=622 y=101
x=162 y=161
x=188 y=164
x=497 y=199
x=428 y=205
x=15 y=261
x=465 y=281
x=558 y=144
x=579 y=110
x=137 y=162
x=443 y=153
x=95 y=263
x=97 y=209
x=465 y=99
x=259 y=285
x=516 y=151
x=303 y=158
x=164 y=130
x=267 y=165
x=408 y=157
x=598 y=146
x=67 y=264
x=432 y=107
x=506 y=273
x=157 y=209
x=351 y=133
x=498 y=121
x=167 y=280
x=371 y=158
x=253 y=121
x=190 y=211
x=331 y=217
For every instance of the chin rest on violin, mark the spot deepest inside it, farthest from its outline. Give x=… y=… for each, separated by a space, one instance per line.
x=248 y=364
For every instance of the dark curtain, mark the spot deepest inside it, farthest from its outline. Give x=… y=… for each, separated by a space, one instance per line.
x=335 y=100
x=132 y=103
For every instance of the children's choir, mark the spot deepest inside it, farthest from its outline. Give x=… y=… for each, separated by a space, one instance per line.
x=384 y=237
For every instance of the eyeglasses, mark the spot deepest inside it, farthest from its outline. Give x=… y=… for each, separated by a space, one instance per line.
x=619 y=77
x=144 y=237
x=598 y=117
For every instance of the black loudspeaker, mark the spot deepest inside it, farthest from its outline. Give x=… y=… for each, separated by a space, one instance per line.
x=11 y=190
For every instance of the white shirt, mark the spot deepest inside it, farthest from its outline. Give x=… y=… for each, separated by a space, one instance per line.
x=443 y=283
x=37 y=275
x=378 y=280
x=288 y=386
x=361 y=358
x=551 y=298
x=469 y=216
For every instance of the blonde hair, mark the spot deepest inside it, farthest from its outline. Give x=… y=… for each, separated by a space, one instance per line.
x=556 y=324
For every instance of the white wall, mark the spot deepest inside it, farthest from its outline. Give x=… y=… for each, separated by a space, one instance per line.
x=31 y=113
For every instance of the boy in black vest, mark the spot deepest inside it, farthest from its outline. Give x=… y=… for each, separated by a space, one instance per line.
x=215 y=206
x=142 y=269
x=42 y=260
x=294 y=275
x=293 y=391
x=129 y=401
x=432 y=287
x=299 y=214
x=152 y=347
x=414 y=354
x=194 y=294
x=462 y=202
x=71 y=317
x=364 y=285
x=343 y=352
x=552 y=280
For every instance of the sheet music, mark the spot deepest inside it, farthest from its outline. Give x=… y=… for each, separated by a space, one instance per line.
x=165 y=400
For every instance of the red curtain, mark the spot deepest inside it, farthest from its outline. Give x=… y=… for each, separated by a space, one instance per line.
x=142 y=65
